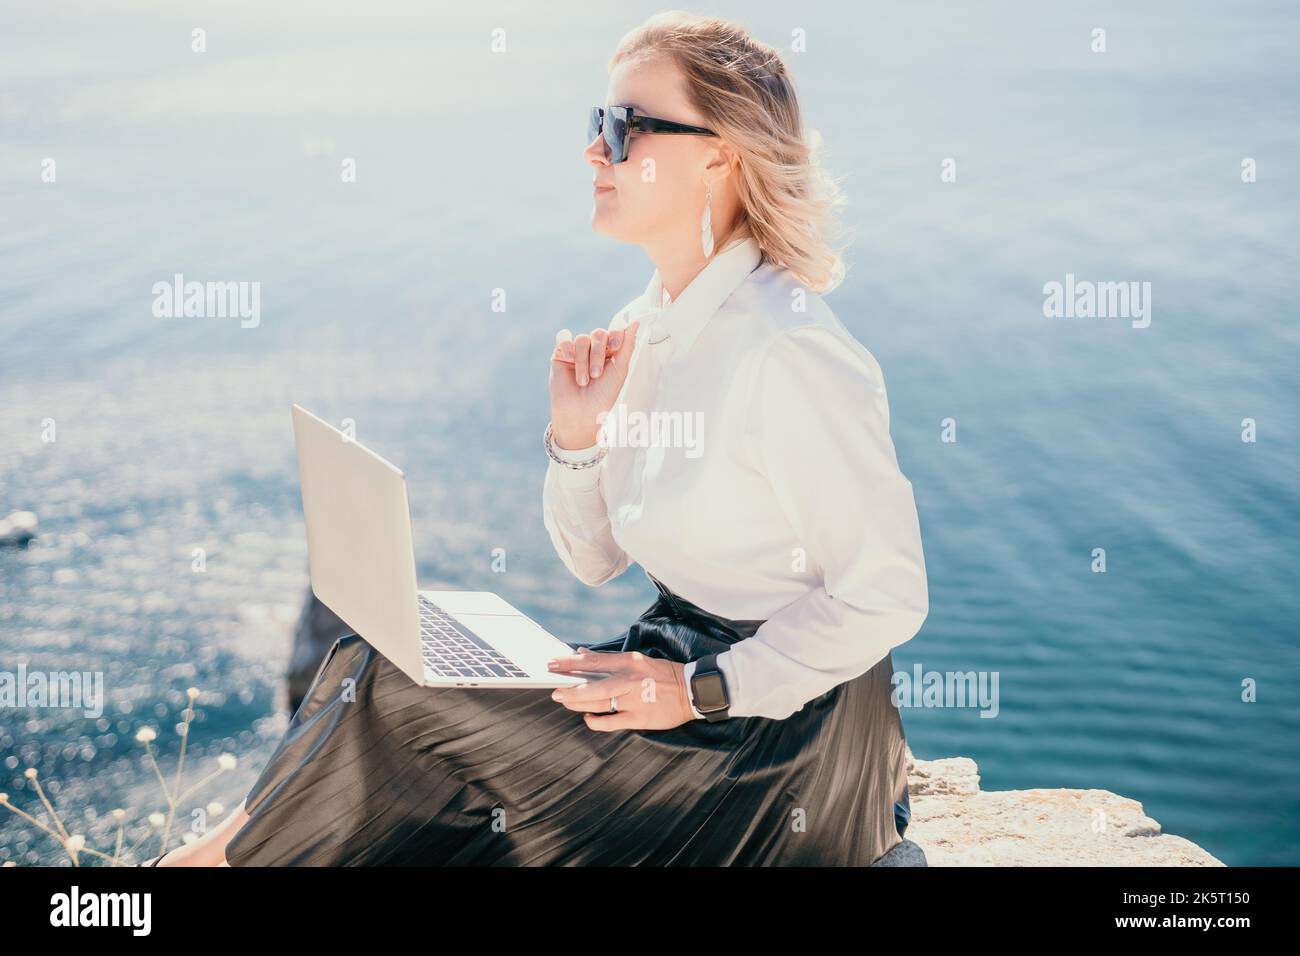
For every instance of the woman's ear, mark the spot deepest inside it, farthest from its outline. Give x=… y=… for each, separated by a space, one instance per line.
x=722 y=163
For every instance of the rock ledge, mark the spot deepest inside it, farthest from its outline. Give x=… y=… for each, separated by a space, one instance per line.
x=958 y=824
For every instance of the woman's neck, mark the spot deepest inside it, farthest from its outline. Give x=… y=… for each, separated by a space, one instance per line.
x=676 y=275
x=678 y=263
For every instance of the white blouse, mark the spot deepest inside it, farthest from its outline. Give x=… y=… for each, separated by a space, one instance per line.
x=750 y=469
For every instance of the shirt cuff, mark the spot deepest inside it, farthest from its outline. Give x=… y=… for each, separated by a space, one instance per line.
x=575 y=455
x=576 y=479
x=728 y=668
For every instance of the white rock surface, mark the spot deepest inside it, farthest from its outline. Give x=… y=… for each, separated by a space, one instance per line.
x=958 y=824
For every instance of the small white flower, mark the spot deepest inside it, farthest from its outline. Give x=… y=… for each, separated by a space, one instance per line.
x=189 y=838
x=227 y=762
x=183 y=729
x=30 y=773
x=215 y=809
x=157 y=819
x=146 y=734
x=75 y=843
x=192 y=693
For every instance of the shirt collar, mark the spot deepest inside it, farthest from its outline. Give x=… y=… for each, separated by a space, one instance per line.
x=683 y=318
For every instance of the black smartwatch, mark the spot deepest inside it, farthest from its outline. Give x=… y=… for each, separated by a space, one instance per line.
x=709 y=689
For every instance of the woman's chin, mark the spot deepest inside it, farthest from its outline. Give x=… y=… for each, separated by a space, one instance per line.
x=603 y=223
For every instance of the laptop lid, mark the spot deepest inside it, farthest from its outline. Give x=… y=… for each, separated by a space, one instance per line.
x=359 y=541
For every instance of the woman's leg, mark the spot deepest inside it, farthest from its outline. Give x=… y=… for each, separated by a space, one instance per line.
x=209 y=849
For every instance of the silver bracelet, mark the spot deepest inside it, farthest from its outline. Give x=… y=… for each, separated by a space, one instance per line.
x=576 y=465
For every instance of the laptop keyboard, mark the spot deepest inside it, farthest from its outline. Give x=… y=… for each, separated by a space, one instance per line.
x=453 y=650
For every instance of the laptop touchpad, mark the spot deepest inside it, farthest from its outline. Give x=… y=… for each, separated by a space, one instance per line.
x=470 y=602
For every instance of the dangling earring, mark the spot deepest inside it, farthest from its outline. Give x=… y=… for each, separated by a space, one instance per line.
x=706 y=223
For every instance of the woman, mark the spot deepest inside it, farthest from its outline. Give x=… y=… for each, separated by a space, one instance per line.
x=727 y=433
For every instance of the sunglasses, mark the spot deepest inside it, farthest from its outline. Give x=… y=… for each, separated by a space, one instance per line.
x=618 y=123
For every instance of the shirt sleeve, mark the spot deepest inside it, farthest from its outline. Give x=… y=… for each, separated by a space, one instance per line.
x=575 y=515
x=819 y=428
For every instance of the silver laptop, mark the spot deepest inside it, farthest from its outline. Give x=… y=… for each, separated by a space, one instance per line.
x=363 y=568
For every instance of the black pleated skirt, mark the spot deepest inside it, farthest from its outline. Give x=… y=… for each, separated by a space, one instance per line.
x=376 y=770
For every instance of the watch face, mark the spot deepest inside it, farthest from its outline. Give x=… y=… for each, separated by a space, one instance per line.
x=709 y=692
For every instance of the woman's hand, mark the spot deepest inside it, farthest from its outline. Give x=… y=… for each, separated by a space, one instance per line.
x=586 y=376
x=651 y=692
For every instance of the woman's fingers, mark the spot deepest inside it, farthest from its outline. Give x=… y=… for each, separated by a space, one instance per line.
x=650 y=693
x=582 y=359
x=623 y=720
x=563 y=347
x=599 y=338
x=594 y=696
x=615 y=337
x=586 y=660
x=626 y=676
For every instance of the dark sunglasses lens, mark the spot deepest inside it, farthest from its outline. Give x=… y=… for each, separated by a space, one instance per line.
x=593 y=123
x=616 y=133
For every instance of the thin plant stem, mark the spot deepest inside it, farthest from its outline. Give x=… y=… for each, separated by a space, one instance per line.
x=158 y=770
x=40 y=792
x=212 y=776
x=62 y=840
x=31 y=819
x=185 y=739
x=173 y=795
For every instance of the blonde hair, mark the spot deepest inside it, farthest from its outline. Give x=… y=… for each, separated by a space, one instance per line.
x=742 y=89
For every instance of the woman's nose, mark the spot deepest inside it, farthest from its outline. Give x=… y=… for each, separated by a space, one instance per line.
x=597 y=151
